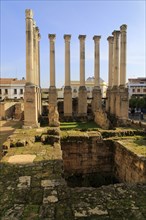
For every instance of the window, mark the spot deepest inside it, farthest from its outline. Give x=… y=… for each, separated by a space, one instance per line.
x=15 y=91
x=6 y=91
x=138 y=90
x=133 y=90
x=144 y=90
x=21 y=91
x=0 y=91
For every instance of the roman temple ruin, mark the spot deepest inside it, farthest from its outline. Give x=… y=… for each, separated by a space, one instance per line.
x=117 y=93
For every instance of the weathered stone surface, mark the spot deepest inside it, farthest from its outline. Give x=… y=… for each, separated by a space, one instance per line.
x=53 y=116
x=101 y=119
x=21 y=159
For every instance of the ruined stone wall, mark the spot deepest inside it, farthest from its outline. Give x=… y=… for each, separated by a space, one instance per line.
x=86 y=154
x=7 y=109
x=129 y=167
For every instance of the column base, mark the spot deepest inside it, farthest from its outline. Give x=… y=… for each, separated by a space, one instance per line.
x=113 y=100
x=53 y=95
x=96 y=99
x=82 y=101
x=67 y=101
x=30 y=106
x=108 y=94
x=124 y=103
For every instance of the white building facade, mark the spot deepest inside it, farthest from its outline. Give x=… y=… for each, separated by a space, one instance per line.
x=137 y=87
x=89 y=83
x=11 y=88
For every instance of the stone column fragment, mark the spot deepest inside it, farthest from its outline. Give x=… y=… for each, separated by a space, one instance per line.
x=82 y=96
x=123 y=52
x=67 y=89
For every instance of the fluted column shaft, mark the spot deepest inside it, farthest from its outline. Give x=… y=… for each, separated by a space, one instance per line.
x=82 y=59
x=96 y=61
x=110 y=61
x=52 y=59
x=123 y=51
x=116 y=35
x=67 y=59
x=29 y=45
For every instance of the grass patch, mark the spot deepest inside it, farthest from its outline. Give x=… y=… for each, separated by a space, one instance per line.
x=136 y=145
x=79 y=126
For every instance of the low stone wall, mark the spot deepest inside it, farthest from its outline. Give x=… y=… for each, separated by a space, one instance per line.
x=86 y=154
x=129 y=167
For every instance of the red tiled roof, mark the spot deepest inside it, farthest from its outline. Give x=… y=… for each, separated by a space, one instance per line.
x=12 y=81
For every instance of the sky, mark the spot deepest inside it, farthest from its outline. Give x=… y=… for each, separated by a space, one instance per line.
x=72 y=17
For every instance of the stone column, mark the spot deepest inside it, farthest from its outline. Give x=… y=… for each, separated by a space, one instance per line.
x=39 y=38
x=39 y=81
x=82 y=97
x=52 y=89
x=30 y=94
x=67 y=89
x=123 y=92
x=37 y=54
x=96 y=61
x=53 y=113
x=52 y=59
x=96 y=94
x=110 y=61
x=29 y=46
x=34 y=53
x=114 y=103
x=116 y=35
x=36 y=31
x=110 y=72
x=123 y=29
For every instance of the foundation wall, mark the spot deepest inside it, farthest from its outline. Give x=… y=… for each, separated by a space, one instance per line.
x=129 y=167
x=86 y=154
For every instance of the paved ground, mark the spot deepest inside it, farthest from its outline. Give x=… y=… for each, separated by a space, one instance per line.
x=38 y=191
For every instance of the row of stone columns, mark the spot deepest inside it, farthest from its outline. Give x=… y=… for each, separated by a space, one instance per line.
x=82 y=96
x=32 y=94
x=117 y=94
